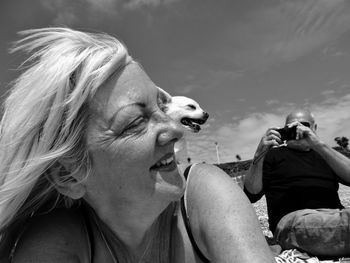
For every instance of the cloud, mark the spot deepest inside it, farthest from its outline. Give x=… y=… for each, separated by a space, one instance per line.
x=273 y=32
x=105 y=6
x=272 y=102
x=242 y=136
x=67 y=12
x=71 y=12
x=259 y=37
x=333 y=117
x=327 y=92
x=310 y=24
x=135 y=4
x=333 y=51
x=283 y=31
x=186 y=89
x=192 y=76
x=63 y=9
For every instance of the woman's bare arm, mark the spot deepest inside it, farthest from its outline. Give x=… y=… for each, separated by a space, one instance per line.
x=223 y=221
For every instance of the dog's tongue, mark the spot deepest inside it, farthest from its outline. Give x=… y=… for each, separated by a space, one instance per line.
x=188 y=122
x=196 y=128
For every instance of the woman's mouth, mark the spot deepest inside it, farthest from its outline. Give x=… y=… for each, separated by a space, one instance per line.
x=166 y=163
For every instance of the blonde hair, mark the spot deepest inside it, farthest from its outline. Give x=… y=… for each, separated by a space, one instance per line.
x=46 y=113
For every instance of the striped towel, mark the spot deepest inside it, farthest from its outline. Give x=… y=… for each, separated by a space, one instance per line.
x=295 y=256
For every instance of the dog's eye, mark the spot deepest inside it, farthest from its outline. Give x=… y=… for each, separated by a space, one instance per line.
x=192 y=107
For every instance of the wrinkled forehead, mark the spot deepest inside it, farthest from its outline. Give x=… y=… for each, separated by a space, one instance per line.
x=130 y=85
x=300 y=116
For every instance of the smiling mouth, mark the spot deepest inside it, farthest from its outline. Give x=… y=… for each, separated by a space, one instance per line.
x=193 y=124
x=165 y=163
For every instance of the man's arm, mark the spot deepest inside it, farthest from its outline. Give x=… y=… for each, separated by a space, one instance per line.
x=337 y=161
x=253 y=180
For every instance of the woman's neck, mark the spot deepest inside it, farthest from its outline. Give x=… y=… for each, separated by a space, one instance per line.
x=153 y=244
x=131 y=224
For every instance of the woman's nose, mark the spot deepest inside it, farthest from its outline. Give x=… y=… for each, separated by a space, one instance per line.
x=171 y=132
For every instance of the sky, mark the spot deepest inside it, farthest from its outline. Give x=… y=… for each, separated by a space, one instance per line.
x=248 y=63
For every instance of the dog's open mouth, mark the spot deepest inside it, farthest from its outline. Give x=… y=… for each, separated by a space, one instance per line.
x=193 y=124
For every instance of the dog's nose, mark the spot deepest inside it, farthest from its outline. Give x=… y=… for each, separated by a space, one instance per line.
x=206 y=115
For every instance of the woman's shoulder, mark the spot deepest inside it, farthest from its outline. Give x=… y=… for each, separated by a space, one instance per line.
x=57 y=236
x=221 y=216
x=208 y=185
x=206 y=176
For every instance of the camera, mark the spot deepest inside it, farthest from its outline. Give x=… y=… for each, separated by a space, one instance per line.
x=288 y=133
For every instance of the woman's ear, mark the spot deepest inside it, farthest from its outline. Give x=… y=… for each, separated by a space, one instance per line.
x=68 y=179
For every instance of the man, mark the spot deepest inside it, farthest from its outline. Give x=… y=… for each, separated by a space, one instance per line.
x=301 y=173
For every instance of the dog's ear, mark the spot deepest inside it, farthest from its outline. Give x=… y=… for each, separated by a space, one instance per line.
x=164 y=96
x=164 y=99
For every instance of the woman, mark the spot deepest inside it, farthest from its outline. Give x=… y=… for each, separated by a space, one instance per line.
x=88 y=171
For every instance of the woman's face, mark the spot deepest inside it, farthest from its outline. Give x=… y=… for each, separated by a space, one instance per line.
x=131 y=142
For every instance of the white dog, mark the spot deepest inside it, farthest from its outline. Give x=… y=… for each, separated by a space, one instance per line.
x=188 y=113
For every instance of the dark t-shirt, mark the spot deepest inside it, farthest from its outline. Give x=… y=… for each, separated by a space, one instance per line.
x=294 y=180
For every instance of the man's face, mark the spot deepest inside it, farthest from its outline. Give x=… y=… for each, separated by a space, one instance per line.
x=304 y=117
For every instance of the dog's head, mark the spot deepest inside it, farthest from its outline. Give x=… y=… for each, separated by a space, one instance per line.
x=187 y=112
x=183 y=110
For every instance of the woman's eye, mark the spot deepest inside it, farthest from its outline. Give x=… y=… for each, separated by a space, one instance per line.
x=135 y=124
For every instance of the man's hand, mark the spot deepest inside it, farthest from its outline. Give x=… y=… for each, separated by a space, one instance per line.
x=305 y=135
x=270 y=139
x=253 y=178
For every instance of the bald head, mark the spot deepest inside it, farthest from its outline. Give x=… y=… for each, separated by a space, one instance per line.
x=301 y=115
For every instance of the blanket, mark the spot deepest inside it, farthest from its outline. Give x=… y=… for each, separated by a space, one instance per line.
x=295 y=256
